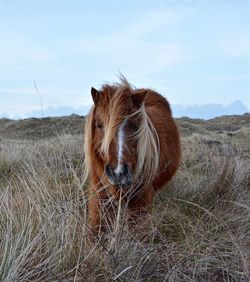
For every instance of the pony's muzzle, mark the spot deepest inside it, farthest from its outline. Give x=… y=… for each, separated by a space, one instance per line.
x=121 y=177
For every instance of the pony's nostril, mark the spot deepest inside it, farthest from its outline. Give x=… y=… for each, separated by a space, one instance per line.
x=109 y=171
x=125 y=169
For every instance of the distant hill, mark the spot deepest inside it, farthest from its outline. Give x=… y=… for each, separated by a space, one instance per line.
x=37 y=128
x=219 y=124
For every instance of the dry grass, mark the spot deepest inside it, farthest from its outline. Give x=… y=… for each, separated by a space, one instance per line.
x=199 y=228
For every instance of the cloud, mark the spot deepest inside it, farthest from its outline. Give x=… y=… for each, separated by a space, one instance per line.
x=23 y=50
x=139 y=48
x=138 y=57
x=17 y=91
x=238 y=47
x=4 y=115
x=59 y=111
x=22 y=101
x=208 y=111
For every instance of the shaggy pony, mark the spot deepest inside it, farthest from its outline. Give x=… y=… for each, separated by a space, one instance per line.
x=132 y=148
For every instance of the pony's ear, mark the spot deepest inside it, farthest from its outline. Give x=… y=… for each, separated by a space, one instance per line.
x=137 y=98
x=95 y=94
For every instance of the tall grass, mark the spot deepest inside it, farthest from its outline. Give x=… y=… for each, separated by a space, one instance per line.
x=198 y=230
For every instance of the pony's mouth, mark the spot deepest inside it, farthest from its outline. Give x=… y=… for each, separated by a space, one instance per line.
x=120 y=177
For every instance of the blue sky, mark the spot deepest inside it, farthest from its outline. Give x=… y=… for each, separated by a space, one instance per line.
x=193 y=52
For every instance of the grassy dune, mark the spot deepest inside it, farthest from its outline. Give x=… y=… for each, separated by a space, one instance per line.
x=198 y=230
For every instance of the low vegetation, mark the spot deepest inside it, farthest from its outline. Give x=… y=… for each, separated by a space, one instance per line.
x=198 y=230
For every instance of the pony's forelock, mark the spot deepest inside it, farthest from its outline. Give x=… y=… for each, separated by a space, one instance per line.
x=111 y=121
x=115 y=114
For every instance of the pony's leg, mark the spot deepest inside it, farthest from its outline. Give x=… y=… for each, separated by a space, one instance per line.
x=94 y=208
x=101 y=212
x=139 y=207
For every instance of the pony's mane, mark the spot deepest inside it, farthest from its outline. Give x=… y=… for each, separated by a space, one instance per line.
x=148 y=146
x=148 y=149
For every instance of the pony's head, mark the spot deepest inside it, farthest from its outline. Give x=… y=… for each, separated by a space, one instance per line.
x=120 y=134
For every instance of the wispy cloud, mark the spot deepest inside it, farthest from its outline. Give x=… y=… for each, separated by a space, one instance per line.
x=139 y=46
x=23 y=50
x=237 y=47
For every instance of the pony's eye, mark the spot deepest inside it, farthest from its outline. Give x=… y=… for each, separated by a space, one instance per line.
x=99 y=125
x=134 y=127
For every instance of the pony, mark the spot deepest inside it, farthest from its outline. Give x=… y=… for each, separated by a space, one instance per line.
x=132 y=149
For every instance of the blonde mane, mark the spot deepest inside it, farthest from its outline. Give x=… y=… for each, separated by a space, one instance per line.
x=148 y=145
x=88 y=137
x=148 y=149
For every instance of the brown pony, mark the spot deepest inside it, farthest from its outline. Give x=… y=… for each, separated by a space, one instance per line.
x=132 y=148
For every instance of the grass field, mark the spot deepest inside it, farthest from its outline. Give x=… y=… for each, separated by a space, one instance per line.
x=198 y=230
